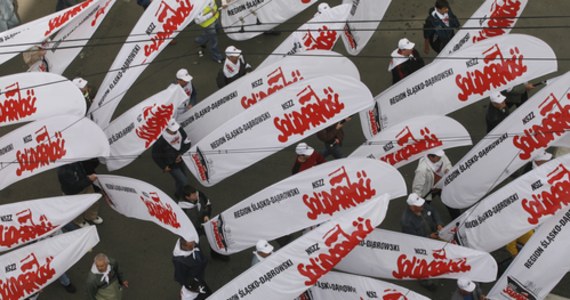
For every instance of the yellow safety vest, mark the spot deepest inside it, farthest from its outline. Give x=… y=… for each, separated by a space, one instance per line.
x=213 y=19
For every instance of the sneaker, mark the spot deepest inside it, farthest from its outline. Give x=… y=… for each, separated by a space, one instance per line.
x=70 y=288
x=200 y=53
x=97 y=221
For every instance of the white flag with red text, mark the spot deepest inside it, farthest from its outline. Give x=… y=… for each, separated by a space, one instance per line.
x=526 y=132
x=32 y=96
x=257 y=86
x=541 y=263
x=516 y=208
x=47 y=144
x=137 y=129
x=309 y=197
x=412 y=139
x=245 y=19
x=139 y=200
x=319 y=33
x=362 y=23
x=342 y=286
x=394 y=255
x=273 y=124
x=493 y=18
x=69 y=41
x=470 y=75
x=27 y=270
x=23 y=37
x=159 y=24
x=26 y=221
x=287 y=273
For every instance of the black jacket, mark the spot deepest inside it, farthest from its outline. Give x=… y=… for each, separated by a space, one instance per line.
x=73 y=178
x=437 y=32
x=187 y=267
x=165 y=155
x=408 y=67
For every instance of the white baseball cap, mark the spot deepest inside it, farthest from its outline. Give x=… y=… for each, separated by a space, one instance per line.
x=415 y=200
x=544 y=156
x=264 y=247
x=438 y=153
x=79 y=82
x=173 y=125
x=304 y=149
x=497 y=97
x=405 y=44
x=182 y=74
x=322 y=7
x=232 y=51
x=466 y=284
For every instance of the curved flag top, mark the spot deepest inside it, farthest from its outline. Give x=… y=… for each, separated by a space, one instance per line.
x=309 y=197
x=257 y=86
x=26 y=271
x=342 y=286
x=494 y=18
x=47 y=144
x=393 y=255
x=23 y=37
x=287 y=273
x=529 y=130
x=471 y=74
x=246 y=19
x=161 y=22
x=32 y=96
x=69 y=41
x=541 y=263
x=516 y=208
x=363 y=21
x=26 y=221
x=139 y=200
x=299 y=111
x=136 y=130
x=408 y=141
x=319 y=33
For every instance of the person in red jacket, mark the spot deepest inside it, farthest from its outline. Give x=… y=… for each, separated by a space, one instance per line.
x=307 y=157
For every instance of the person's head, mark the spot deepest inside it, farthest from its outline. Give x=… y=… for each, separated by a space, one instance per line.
x=233 y=54
x=465 y=285
x=498 y=100
x=405 y=47
x=442 y=6
x=172 y=127
x=263 y=248
x=435 y=156
x=101 y=262
x=190 y=193
x=187 y=245
x=415 y=203
x=322 y=7
x=541 y=158
x=303 y=151
x=80 y=83
x=183 y=77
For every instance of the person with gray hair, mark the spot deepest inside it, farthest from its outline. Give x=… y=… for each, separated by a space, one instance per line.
x=105 y=280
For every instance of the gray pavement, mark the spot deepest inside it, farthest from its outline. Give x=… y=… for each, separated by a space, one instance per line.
x=142 y=248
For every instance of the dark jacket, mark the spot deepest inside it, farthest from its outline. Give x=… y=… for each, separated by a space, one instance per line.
x=203 y=208
x=408 y=67
x=165 y=155
x=495 y=116
x=187 y=267
x=73 y=178
x=222 y=80
x=436 y=32
x=423 y=225
x=330 y=134
x=94 y=280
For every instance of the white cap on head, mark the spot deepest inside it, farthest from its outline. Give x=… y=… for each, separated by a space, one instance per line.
x=405 y=44
x=232 y=51
x=304 y=149
x=439 y=152
x=466 y=284
x=415 y=200
x=264 y=247
x=79 y=82
x=322 y=7
x=183 y=74
x=497 y=97
x=543 y=156
x=173 y=125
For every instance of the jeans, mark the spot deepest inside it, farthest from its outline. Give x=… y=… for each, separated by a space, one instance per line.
x=209 y=37
x=64 y=279
x=180 y=180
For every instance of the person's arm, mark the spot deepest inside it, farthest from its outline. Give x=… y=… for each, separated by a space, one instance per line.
x=327 y=135
x=206 y=207
x=408 y=226
x=158 y=153
x=436 y=218
x=419 y=182
x=91 y=287
x=453 y=20
x=428 y=34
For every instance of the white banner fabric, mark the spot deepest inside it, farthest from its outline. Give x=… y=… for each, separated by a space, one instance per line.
x=70 y=40
x=363 y=21
x=137 y=129
x=246 y=19
x=341 y=286
x=23 y=37
x=26 y=221
x=540 y=265
x=273 y=124
x=27 y=270
x=394 y=255
x=32 y=96
x=139 y=200
x=258 y=85
x=159 y=24
x=493 y=18
x=412 y=139
x=470 y=75
x=309 y=197
x=47 y=144
x=529 y=130
x=287 y=273
x=319 y=33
